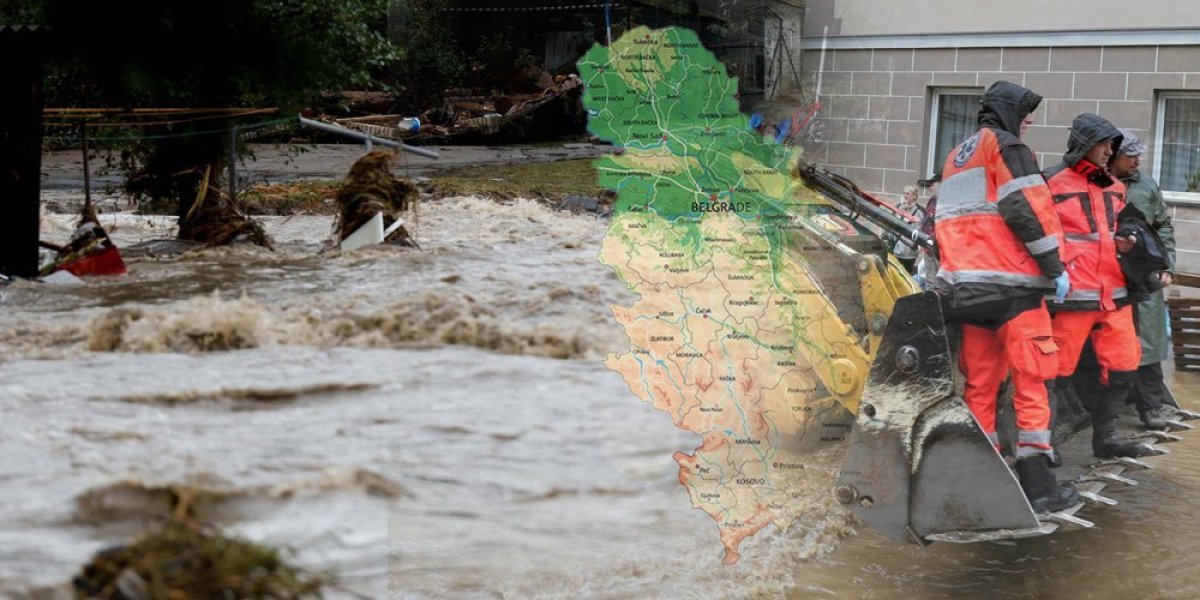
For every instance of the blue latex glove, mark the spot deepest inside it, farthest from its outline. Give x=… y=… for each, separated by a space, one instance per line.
x=1062 y=285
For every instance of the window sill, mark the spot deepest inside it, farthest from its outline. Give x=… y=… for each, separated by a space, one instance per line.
x=1181 y=198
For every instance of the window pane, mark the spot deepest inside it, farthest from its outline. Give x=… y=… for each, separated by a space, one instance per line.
x=957 y=119
x=1181 y=145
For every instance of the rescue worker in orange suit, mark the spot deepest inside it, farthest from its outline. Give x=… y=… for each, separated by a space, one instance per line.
x=1087 y=200
x=999 y=242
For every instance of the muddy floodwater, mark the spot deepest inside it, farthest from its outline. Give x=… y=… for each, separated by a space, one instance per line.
x=436 y=423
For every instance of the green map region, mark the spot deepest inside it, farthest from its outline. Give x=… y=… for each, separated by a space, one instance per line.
x=730 y=335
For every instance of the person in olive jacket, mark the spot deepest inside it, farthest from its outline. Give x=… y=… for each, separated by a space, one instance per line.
x=1150 y=315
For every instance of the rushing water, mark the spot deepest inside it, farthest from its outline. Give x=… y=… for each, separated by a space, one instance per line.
x=436 y=423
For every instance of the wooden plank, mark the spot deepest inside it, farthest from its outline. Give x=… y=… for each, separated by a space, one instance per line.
x=1186 y=337
x=1183 y=303
x=1186 y=279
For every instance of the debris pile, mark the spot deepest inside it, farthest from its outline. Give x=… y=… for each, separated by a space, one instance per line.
x=184 y=560
x=216 y=221
x=370 y=190
x=480 y=114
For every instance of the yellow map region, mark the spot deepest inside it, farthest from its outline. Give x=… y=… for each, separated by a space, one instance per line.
x=729 y=346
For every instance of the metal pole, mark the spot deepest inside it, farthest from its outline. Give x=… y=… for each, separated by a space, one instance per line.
x=87 y=172
x=608 y=20
x=367 y=137
x=821 y=68
x=233 y=158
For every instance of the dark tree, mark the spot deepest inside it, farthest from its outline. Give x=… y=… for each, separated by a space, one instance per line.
x=216 y=53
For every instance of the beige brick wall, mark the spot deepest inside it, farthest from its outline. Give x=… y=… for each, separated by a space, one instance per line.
x=875 y=102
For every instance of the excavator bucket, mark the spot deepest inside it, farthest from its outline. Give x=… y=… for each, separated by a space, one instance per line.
x=919 y=467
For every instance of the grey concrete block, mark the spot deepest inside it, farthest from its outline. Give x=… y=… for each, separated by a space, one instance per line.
x=1062 y=112
x=1101 y=86
x=933 y=59
x=1134 y=115
x=911 y=84
x=847 y=154
x=1075 y=59
x=1178 y=58
x=1026 y=59
x=1143 y=86
x=889 y=108
x=888 y=157
x=892 y=60
x=872 y=84
x=850 y=60
x=1051 y=85
x=1129 y=59
x=867 y=131
x=978 y=59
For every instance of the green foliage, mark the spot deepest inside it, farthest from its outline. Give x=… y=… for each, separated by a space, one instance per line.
x=22 y=12
x=220 y=52
x=217 y=53
x=435 y=63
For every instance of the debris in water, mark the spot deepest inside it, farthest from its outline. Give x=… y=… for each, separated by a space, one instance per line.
x=184 y=560
x=370 y=190
x=90 y=251
x=214 y=220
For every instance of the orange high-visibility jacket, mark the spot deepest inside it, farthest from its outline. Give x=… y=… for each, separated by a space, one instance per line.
x=1088 y=213
x=997 y=232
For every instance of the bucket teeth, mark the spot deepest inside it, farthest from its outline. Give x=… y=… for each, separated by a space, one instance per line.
x=1124 y=461
x=1105 y=477
x=1066 y=520
x=1186 y=415
x=1094 y=499
x=1177 y=425
x=1158 y=437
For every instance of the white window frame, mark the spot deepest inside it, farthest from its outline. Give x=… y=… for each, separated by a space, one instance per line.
x=1160 y=117
x=935 y=96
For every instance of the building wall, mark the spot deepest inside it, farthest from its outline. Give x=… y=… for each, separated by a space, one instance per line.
x=900 y=17
x=875 y=105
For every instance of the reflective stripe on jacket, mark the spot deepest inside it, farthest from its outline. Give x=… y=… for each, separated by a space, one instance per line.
x=997 y=232
x=1088 y=214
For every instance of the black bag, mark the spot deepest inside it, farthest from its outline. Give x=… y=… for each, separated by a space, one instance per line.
x=1148 y=257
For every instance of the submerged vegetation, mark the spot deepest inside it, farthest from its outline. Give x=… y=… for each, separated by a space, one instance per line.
x=181 y=560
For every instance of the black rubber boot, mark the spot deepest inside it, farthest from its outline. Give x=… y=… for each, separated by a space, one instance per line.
x=1044 y=493
x=1153 y=419
x=1105 y=441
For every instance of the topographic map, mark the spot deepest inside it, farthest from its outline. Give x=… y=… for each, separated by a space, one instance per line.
x=730 y=335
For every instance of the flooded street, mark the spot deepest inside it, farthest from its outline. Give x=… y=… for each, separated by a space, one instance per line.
x=437 y=423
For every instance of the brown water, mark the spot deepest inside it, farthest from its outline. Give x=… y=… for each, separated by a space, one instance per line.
x=437 y=424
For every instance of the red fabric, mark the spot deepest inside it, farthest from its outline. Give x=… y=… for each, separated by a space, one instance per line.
x=1112 y=334
x=1025 y=346
x=1085 y=208
x=105 y=262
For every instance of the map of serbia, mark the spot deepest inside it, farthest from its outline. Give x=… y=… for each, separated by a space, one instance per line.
x=729 y=335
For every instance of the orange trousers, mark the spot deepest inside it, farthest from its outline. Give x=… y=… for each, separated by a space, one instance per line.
x=1025 y=346
x=1113 y=337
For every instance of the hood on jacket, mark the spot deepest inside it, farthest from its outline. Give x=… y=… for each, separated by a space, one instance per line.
x=1005 y=105
x=1087 y=130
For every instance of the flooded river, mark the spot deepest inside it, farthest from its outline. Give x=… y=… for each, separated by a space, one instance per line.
x=436 y=423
